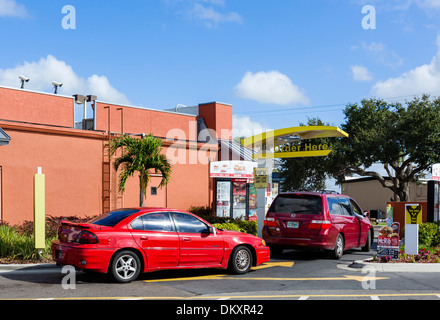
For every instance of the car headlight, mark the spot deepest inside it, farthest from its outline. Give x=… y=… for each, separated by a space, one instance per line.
x=263 y=242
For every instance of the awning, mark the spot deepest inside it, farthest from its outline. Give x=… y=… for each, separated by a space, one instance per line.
x=267 y=141
x=4 y=138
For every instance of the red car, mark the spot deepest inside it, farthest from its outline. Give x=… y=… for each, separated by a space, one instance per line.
x=329 y=221
x=127 y=242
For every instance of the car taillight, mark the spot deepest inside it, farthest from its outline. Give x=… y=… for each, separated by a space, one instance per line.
x=270 y=222
x=320 y=224
x=86 y=237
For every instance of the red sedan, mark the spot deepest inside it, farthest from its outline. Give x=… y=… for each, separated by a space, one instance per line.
x=126 y=242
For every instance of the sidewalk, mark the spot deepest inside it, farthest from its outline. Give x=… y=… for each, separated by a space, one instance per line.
x=28 y=267
x=397 y=267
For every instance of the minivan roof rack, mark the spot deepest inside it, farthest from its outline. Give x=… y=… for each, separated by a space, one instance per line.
x=317 y=191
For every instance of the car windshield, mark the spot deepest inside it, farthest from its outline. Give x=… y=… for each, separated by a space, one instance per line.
x=112 y=218
x=297 y=203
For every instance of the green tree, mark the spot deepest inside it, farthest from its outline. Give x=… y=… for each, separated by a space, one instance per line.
x=404 y=139
x=139 y=155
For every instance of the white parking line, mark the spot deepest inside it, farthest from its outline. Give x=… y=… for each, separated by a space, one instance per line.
x=374 y=298
x=303 y=298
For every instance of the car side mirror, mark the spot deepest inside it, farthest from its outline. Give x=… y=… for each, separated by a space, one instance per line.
x=212 y=230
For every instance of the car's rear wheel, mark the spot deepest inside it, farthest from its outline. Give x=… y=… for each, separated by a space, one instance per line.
x=338 y=250
x=125 y=266
x=241 y=260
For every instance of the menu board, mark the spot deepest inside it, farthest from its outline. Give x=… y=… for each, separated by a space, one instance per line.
x=223 y=199
x=232 y=169
x=388 y=242
x=239 y=196
x=253 y=209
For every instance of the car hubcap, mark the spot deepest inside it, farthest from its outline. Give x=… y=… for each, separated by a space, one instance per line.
x=339 y=246
x=242 y=260
x=126 y=267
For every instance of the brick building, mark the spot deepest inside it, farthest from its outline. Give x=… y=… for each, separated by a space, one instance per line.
x=80 y=179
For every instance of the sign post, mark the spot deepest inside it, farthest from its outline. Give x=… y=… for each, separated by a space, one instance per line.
x=39 y=211
x=413 y=217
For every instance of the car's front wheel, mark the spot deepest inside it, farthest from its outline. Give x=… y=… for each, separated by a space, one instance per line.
x=241 y=260
x=125 y=266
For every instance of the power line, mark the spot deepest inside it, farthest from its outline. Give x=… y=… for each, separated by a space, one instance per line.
x=294 y=110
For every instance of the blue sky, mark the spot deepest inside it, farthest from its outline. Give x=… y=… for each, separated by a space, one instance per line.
x=277 y=62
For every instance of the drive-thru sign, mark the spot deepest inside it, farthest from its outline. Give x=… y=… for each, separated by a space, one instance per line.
x=277 y=143
x=413 y=217
x=281 y=144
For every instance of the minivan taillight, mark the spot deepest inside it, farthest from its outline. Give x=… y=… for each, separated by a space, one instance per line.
x=270 y=222
x=320 y=224
x=86 y=237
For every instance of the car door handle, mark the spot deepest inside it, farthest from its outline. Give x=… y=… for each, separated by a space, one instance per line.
x=186 y=239
x=144 y=238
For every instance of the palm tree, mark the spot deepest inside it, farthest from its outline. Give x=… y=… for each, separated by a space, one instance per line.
x=139 y=155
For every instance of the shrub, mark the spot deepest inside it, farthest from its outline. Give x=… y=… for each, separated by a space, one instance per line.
x=206 y=213
x=429 y=234
x=18 y=246
x=18 y=242
x=228 y=226
x=248 y=226
x=52 y=224
x=239 y=225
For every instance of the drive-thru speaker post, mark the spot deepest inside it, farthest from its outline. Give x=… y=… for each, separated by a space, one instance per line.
x=39 y=211
x=413 y=217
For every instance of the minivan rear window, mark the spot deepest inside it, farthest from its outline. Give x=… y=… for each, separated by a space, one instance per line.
x=297 y=203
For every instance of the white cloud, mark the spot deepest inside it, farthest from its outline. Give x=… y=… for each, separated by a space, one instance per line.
x=243 y=126
x=46 y=70
x=210 y=12
x=361 y=73
x=422 y=79
x=381 y=54
x=10 y=8
x=270 y=87
x=211 y=16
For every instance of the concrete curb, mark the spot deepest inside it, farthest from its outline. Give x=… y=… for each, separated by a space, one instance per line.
x=27 y=267
x=397 y=267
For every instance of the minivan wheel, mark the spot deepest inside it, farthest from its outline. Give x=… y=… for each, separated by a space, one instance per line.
x=338 y=251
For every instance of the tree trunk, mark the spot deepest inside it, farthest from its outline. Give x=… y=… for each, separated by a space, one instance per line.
x=141 y=192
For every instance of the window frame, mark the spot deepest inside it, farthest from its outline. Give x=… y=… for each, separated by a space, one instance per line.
x=178 y=228
x=141 y=217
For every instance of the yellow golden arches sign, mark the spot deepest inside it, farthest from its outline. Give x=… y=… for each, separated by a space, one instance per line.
x=272 y=144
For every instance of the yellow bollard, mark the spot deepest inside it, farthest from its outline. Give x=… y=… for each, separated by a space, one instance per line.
x=39 y=211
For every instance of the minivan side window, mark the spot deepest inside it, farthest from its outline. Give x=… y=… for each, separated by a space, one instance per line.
x=345 y=206
x=355 y=207
x=333 y=206
x=339 y=206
